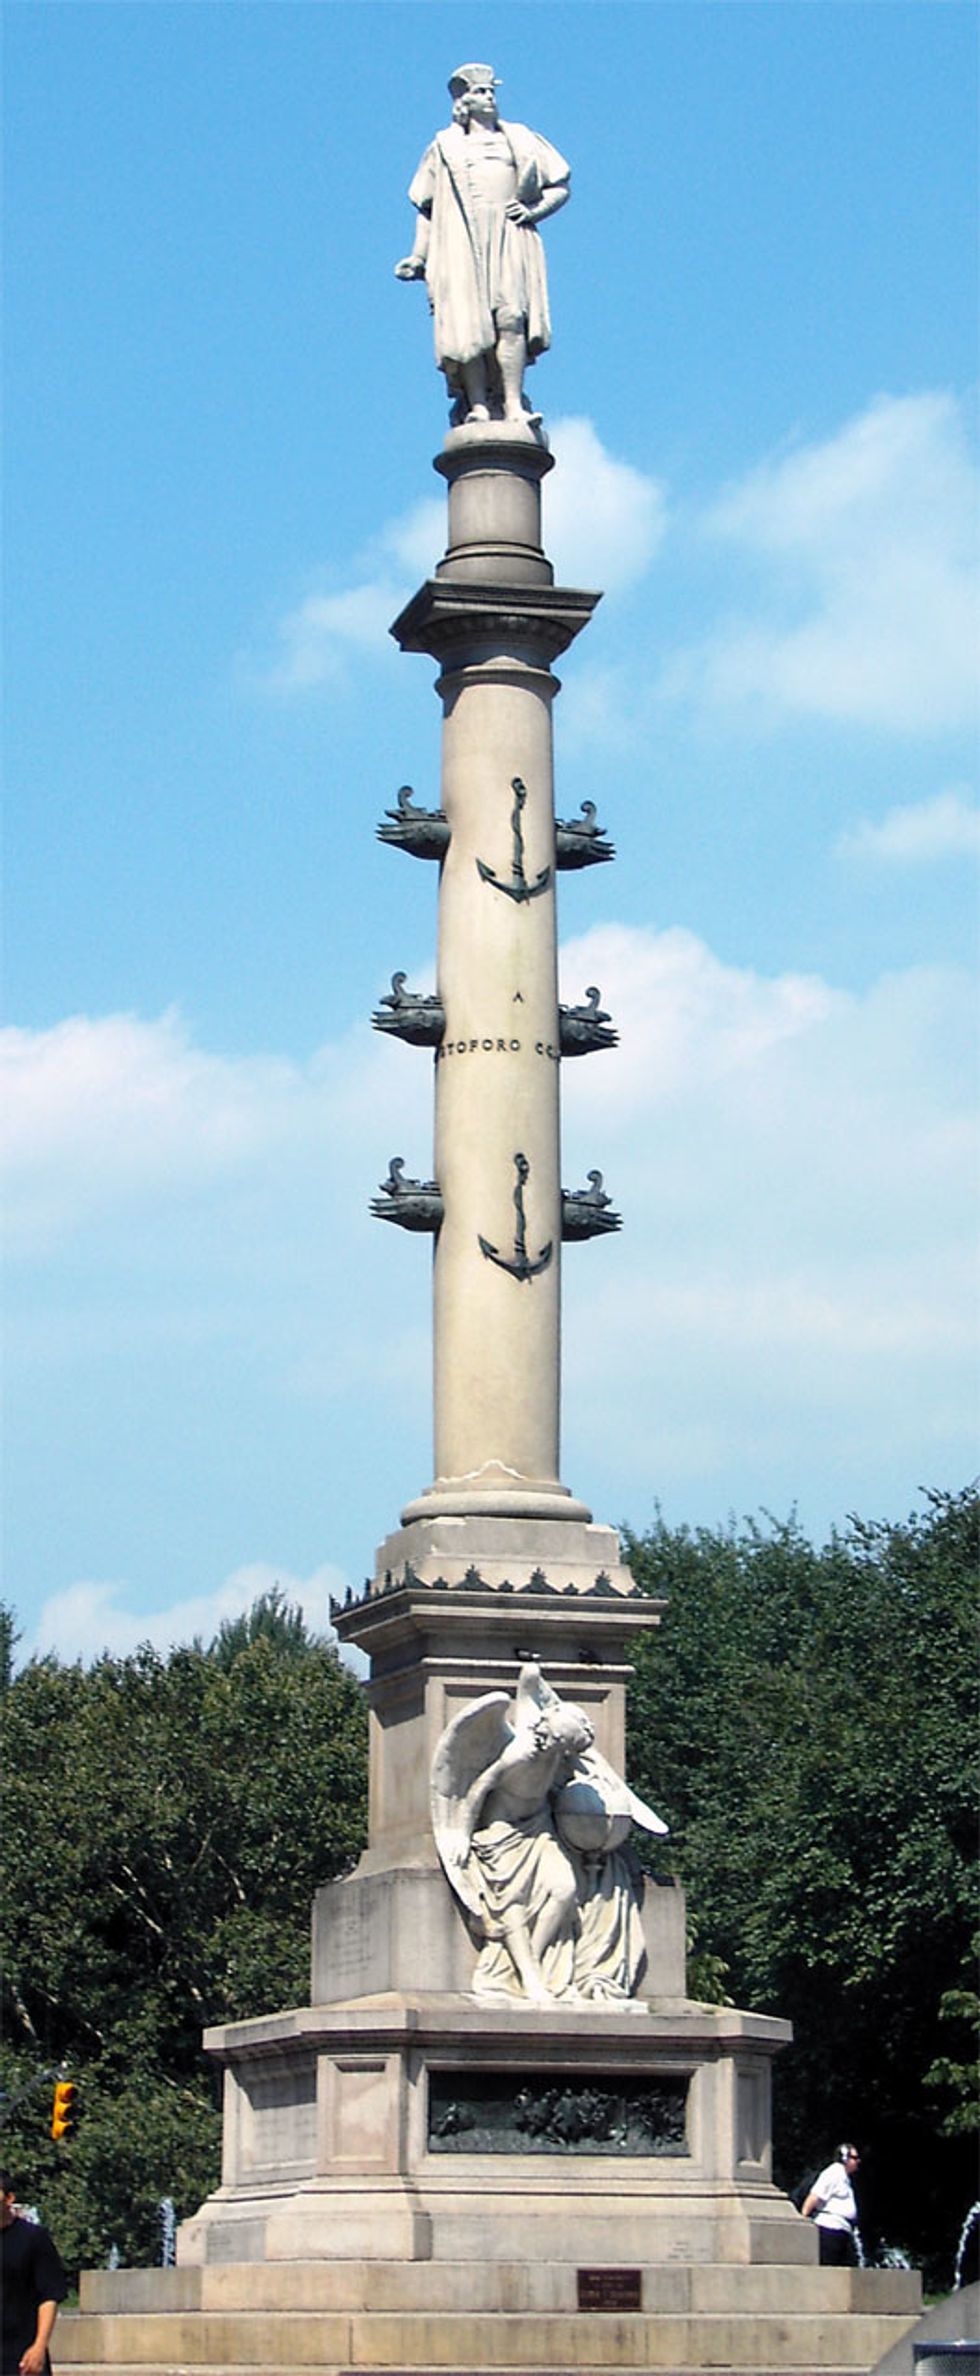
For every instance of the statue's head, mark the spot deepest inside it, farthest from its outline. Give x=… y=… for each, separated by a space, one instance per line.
x=472 y=90
x=565 y=1725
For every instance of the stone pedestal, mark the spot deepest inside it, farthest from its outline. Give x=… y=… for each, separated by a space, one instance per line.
x=440 y=1630
x=418 y=2125
x=398 y=2118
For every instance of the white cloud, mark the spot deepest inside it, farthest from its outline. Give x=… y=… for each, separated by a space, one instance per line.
x=860 y=552
x=319 y=638
x=89 y=1618
x=417 y=539
x=791 y=1294
x=333 y=628
x=793 y=1082
x=100 y=1112
x=684 y=1016
x=794 y=1288
x=604 y=520
x=107 y=1113
x=916 y=833
x=864 y=551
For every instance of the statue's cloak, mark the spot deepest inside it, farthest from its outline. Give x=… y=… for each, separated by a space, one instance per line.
x=471 y=268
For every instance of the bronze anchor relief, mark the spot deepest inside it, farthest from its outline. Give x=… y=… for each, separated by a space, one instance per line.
x=520 y=1265
x=518 y=887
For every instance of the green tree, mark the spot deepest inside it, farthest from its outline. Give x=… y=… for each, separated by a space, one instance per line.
x=956 y=2074
x=166 y=1824
x=9 y=1638
x=271 y=1618
x=806 y=1719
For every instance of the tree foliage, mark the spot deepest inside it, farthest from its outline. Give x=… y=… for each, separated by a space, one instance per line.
x=9 y=1638
x=166 y=1824
x=806 y=1720
x=271 y=1618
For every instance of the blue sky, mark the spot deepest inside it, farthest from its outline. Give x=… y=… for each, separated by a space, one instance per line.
x=221 y=413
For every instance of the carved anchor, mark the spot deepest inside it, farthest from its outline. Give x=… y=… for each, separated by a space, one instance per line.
x=521 y=1267
x=518 y=888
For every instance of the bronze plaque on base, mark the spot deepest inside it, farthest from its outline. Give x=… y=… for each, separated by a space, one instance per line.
x=610 y=2289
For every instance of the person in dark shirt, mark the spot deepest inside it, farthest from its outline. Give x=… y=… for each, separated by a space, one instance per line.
x=32 y=2283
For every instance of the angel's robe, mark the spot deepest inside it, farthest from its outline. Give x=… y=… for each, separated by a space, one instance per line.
x=522 y=1868
x=599 y=1948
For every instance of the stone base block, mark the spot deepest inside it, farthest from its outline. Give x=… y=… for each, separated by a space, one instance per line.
x=505 y=1550
x=326 y=2319
x=604 y=2224
x=432 y=2128
x=404 y=1931
x=438 y=1640
x=674 y=2289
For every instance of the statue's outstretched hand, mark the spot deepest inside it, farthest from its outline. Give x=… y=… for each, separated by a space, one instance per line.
x=410 y=268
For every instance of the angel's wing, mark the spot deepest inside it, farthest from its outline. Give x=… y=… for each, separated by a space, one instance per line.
x=532 y=1695
x=617 y=1795
x=645 y=1817
x=471 y=1743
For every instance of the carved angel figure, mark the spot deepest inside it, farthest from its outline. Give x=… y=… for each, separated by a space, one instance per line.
x=531 y=1825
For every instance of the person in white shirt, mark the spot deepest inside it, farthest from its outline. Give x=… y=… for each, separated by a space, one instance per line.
x=831 y=2203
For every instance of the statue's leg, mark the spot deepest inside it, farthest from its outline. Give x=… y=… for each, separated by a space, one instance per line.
x=556 y=1916
x=474 y=378
x=512 y=359
x=524 y=1960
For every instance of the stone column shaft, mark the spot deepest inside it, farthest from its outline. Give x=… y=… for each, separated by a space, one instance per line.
x=496 y=1337
x=496 y=621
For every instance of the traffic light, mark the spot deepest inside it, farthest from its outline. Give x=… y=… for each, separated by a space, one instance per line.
x=63 y=2110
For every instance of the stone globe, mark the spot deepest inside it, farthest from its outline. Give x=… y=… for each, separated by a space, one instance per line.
x=592 y=1816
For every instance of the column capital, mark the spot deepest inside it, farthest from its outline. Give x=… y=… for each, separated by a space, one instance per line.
x=459 y=622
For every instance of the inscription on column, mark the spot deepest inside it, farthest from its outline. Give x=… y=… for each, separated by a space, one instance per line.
x=493 y=1044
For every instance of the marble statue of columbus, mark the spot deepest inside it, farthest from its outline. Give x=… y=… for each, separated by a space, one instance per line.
x=480 y=191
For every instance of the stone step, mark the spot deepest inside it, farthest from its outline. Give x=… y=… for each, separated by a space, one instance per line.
x=333 y=2368
x=398 y=2343
x=518 y=2286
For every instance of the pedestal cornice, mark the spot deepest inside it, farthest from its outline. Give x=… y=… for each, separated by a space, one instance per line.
x=686 y=2031
x=457 y=621
x=421 y=1620
x=493 y=445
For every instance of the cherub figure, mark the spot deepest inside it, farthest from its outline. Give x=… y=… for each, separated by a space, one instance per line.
x=531 y=1824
